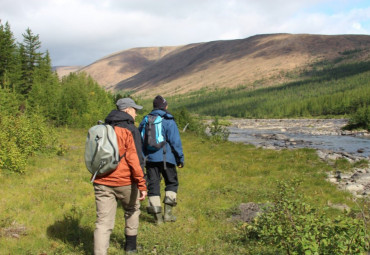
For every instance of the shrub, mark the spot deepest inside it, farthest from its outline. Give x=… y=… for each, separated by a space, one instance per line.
x=295 y=227
x=360 y=119
x=218 y=132
x=187 y=121
x=22 y=136
x=82 y=102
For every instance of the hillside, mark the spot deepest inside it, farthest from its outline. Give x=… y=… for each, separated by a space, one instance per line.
x=65 y=70
x=122 y=65
x=260 y=61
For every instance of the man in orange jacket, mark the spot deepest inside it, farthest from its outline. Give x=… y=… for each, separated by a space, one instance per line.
x=125 y=184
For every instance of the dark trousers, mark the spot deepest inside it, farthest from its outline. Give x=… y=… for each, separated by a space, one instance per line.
x=154 y=172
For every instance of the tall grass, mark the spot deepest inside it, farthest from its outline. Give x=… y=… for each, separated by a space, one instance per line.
x=51 y=208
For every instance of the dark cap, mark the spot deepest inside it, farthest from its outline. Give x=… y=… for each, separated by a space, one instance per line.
x=124 y=103
x=159 y=103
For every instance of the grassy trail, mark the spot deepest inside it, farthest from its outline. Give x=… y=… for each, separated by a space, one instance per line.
x=51 y=209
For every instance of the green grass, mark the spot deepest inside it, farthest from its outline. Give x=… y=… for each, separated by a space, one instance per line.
x=51 y=208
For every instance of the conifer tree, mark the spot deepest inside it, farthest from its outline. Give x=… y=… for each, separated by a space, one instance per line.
x=46 y=90
x=30 y=60
x=8 y=60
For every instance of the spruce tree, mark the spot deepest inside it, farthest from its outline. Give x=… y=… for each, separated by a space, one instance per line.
x=8 y=60
x=30 y=60
x=44 y=97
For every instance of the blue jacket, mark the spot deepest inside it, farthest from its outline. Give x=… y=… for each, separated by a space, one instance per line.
x=174 y=153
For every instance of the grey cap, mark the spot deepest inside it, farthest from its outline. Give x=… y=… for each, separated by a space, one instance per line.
x=124 y=103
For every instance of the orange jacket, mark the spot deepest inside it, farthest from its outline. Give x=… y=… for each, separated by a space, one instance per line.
x=128 y=170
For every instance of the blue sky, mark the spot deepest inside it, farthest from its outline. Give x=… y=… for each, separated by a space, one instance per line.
x=79 y=32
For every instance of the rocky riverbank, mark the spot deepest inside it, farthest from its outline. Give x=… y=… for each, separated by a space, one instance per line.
x=302 y=126
x=275 y=134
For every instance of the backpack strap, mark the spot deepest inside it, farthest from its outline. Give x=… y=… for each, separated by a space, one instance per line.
x=124 y=154
x=164 y=146
x=164 y=155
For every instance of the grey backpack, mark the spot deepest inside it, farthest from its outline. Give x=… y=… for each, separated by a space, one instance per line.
x=101 y=150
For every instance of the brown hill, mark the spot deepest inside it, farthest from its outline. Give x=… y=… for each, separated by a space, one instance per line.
x=122 y=65
x=65 y=70
x=119 y=66
x=260 y=60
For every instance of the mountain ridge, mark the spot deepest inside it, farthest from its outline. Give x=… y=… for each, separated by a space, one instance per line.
x=256 y=61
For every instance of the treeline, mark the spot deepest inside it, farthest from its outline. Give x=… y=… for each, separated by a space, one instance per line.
x=33 y=100
x=333 y=91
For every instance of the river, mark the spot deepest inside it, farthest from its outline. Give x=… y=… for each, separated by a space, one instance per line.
x=300 y=133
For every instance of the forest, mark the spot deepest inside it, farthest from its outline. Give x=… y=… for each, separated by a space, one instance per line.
x=34 y=101
x=329 y=92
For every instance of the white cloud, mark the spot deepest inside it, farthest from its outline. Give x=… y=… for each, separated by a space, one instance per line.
x=82 y=31
x=356 y=26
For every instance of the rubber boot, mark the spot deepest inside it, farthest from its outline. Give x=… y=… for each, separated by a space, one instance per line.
x=169 y=202
x=168 y=216
x=155 y=209
x=158 y=218
x=130 y=245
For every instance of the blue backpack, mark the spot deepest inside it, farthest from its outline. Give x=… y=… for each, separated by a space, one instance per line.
x=151 y=134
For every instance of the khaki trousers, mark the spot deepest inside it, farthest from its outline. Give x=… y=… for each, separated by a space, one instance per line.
x=106 y=198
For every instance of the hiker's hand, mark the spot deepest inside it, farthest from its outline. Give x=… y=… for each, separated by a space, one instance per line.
x=180 y=164
x=143 y=195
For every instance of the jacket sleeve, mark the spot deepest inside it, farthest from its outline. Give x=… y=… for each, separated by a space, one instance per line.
x=134 y=163
x=173 y=138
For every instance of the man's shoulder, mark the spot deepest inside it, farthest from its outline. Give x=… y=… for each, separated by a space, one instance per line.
x=162 y=113
x=122 y=131
x=128 y=125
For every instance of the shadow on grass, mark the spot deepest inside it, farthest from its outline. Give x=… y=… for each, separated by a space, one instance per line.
x=69 y=231
x=144 y=216
x=80 y=238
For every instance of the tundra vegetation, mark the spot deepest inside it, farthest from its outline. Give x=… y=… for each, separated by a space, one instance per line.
x=47 y=201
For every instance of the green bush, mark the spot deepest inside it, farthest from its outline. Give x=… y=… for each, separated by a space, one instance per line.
x=217 y=131
x=360 y=119
x=296 y=227
x=82 y=101
x=187 y=121
x=22 y=136
x=9 y=102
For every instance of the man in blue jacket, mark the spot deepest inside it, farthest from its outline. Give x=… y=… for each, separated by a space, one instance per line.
x=163 y=162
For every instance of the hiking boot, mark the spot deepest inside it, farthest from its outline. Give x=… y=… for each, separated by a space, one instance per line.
x=168 y=216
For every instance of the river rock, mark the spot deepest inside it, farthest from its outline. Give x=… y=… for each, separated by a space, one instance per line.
x=269 y=147
x=344 y=177
x=332 y=180
x=280 y=137
x=361 y=150
x=357 y=188
x=363 y=179
x=333 y=156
